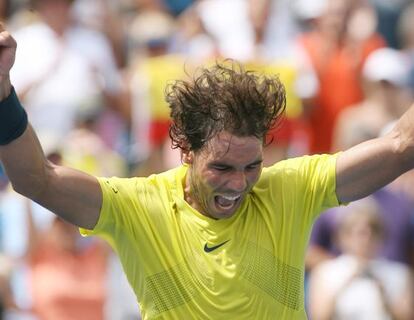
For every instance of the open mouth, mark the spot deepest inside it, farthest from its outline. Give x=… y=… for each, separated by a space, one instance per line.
x=226 y=202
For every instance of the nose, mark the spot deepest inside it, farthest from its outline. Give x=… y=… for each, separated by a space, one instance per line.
x=237 y=182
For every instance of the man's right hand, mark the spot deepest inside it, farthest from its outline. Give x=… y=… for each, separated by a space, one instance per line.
x=7 y=56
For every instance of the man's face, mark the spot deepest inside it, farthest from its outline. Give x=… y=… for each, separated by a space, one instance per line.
x=222 y=173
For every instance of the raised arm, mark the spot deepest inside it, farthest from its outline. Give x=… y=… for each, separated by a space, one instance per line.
x=73 y=195
x=371 y=165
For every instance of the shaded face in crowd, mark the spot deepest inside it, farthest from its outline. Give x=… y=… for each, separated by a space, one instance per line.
x=359 y=238
x=222 y=173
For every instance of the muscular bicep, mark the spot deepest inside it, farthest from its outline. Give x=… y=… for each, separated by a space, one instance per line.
x=366 y=168
x=73 y=195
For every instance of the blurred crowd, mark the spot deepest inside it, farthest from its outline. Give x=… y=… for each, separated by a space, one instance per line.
x=92 y=75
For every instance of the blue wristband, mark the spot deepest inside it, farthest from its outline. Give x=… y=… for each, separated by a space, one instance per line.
x=13 y=119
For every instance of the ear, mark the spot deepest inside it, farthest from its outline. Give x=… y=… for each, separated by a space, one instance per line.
x=187 y=157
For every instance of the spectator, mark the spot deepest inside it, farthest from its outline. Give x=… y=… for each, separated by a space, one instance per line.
x=229 y=23
x=67 y=274
x=154 y=67
x=397 y=244
x=358 y=285
x=389 y=12
x=84 y=77
x=104 y=16
x=385 y=73
x=342 y=38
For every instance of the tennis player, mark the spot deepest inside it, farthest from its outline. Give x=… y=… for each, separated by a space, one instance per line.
x=219 y=237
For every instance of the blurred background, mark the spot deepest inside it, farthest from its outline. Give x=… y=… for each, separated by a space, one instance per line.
x=92 y=76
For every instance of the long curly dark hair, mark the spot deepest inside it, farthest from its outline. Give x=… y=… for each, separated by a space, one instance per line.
x=223 y=98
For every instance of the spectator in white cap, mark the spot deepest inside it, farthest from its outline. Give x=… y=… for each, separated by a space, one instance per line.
x=385 y=75
x=387 y=65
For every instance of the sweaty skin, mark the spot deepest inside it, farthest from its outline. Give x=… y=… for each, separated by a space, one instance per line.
x=222 y=173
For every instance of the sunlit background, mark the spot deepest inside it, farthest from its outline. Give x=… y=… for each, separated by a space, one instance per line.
x=92 y=75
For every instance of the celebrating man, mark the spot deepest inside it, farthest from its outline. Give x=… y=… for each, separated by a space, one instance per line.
x=218 y=237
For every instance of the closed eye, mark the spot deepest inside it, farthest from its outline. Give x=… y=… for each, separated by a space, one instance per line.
x=254 y=165
x=221 y=168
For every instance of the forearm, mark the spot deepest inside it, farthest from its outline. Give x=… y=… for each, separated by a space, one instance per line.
x=25 y=164
x=71 y=194
x=20 y=152
x=5 y=87
x=403 y=134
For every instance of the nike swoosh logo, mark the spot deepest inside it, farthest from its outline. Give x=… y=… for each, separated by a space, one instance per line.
x=209 y=249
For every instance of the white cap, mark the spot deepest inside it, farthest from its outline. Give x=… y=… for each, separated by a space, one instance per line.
x=151 y=26
x=309 y=9
x=387 y=64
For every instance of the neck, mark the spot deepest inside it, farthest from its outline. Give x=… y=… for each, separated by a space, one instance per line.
x=191 y=194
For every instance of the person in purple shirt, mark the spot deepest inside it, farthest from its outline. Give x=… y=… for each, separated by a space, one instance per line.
x=397 y=213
